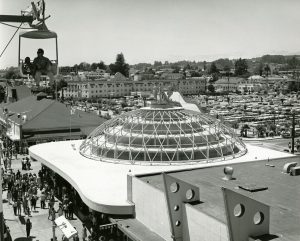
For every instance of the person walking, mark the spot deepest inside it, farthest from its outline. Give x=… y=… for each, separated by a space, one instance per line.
x=71 y=210
x=60 y=211
x=33 y=202
x=43 y=198
x=15 y=207
x=84 y=233
x=9 y=196
x=19 y=204
x=28 y=227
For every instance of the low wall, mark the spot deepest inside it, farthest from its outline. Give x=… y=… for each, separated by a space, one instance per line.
x=151 y=208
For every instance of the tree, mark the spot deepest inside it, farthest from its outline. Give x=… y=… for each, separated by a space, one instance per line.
x=157 y=64
x=259 y=69
x=211 y=88
x=60 y=86
x=273 y=128
x=227 y=70
x=102 y=65
x=261 y=129
x=244 y=130
x=175 y=68
x=213 y=68
x=293 y=63
x=12 y=73
x=120 y=66
x=241 y=67
x=2 y=94
x=267 y=69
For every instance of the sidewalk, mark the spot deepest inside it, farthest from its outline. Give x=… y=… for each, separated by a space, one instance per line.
x=41 y=226
x=260 y=138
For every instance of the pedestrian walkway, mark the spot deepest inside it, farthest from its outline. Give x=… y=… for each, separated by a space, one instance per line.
x=41 y=225
x=261 y=138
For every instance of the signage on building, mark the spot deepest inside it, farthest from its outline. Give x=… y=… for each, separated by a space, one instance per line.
x=67 y=229
x=107 y=226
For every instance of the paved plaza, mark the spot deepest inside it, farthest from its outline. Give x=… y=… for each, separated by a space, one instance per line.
x=41 y=226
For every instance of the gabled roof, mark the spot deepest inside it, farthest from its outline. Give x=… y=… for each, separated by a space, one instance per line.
x=48 y=114
x=58 y=116
x=29 y=106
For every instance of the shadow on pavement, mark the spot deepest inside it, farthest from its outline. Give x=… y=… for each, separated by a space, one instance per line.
x=25 y=239
x=22 y=220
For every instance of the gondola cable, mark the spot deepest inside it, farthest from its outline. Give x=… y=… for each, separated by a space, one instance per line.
x=10 y=40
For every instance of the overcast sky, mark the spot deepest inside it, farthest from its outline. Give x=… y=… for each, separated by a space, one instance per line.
x=94 y=30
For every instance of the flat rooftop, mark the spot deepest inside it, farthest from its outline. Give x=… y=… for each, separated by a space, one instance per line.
x=103 y=185
x=282 y=195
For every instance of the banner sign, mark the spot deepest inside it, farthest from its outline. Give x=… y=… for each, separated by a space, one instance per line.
x=67 y=229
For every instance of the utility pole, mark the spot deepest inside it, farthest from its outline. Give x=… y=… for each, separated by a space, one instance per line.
x=293 y=132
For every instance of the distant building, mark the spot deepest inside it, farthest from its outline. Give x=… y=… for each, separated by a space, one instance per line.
x=228 y=84
x=17 y=93
x=172 y=76
x=118 y=87
x=36 y=119
x=249 y=88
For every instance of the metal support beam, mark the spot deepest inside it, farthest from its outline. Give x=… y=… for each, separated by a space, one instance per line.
x=177 y=193
x=16 y=18
x=246 y=217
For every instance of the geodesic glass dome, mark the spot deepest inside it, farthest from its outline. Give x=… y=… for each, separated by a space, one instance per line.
x=156 y=136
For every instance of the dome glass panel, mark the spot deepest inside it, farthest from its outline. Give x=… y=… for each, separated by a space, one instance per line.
x=162 y=136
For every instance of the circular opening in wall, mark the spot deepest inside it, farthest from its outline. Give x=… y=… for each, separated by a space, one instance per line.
x=258 y=218
x=177 y=223
x=189 y=194
x=176 y=208
x=239 y=210
x=174 y=187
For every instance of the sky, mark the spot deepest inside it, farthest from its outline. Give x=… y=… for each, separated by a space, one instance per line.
x=164 y=30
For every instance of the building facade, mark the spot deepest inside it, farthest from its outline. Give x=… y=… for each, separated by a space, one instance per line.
x=114 y=88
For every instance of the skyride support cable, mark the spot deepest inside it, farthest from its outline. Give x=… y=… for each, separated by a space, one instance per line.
x=10 y=40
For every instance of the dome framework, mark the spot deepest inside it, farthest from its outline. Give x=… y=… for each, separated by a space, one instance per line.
x=158 y=136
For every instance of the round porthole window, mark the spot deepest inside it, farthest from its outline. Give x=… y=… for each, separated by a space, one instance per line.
x=258 y=218
x=174 y=187
x=177 y=223
x=239 y=210
x=190 y=194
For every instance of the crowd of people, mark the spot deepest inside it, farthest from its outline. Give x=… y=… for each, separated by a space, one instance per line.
x=27 y=190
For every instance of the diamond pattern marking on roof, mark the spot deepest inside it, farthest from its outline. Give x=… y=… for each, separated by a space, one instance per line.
x=162 y=137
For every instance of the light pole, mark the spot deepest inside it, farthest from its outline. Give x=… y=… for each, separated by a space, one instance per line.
x=293 y=131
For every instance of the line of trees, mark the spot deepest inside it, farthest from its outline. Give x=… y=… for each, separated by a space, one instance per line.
x=119 y=66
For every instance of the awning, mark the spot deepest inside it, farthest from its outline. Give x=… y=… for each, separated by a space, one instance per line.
x=63 y=135
x=136 y=230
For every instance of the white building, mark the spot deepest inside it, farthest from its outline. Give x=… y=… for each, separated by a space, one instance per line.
x=118 y=88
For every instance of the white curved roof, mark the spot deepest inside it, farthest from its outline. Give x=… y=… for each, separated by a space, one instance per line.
x=102 y=185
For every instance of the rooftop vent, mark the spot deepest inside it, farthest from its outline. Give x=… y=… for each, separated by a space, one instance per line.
x=228 y=171
x=288 y=166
